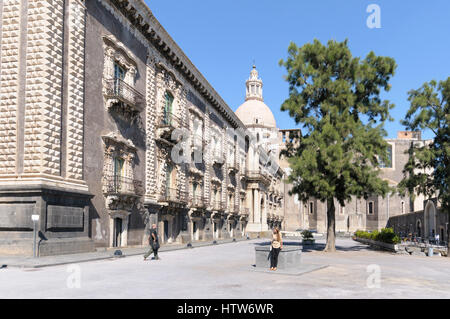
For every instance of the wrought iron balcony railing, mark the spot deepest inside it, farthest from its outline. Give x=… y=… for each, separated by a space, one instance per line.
x=233 y=165
x=120 y=185
x=198 y=201
x=173 y=195
x=233 y=209
x=245 y=211
x=118 y=89
x=218 y=206
x=169 y=120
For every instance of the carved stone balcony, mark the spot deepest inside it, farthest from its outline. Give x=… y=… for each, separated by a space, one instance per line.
x=120 y=185
x=123 y=98
x=218 y=159
x=218 y=206
x=257 y=176
x=173 y=196
x=167 y=122
x=233 y=166
x=197 y=202
x=245 y=211
x=233 y=209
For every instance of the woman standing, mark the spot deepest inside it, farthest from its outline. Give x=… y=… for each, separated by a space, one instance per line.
x=277 y=245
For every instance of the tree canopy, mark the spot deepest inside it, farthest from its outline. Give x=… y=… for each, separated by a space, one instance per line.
x=428 y=169
x=336 y=98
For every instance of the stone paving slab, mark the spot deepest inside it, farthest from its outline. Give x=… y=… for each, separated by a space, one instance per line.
x=303 y=269
x=50 y=261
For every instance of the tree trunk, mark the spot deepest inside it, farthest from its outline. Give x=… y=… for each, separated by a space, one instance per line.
x=331 y=230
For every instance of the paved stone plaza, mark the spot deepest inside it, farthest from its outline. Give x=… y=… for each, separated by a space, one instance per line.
x=225 y=271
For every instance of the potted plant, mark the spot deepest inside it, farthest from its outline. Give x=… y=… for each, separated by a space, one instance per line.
x=308 y=238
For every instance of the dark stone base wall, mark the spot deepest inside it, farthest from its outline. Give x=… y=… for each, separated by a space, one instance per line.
x=63 y=227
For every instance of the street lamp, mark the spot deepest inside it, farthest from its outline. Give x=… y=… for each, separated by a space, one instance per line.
x=35 y=219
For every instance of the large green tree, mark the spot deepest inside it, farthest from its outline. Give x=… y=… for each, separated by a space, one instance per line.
x=428 y=169
x=336 y=98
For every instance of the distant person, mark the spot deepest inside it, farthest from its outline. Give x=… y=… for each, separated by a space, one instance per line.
x=277 y=246
x=154 y=244
x=437 y=239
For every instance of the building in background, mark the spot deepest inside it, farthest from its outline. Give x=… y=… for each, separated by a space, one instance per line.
x=405 y=214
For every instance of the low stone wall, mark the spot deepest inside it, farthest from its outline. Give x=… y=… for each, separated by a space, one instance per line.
x=289 y=257
x=405 y=249
x=378 y=244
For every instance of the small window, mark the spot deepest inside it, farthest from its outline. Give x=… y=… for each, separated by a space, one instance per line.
x=370 y=208
x=311 y=208
x=403 y=207
x=389 y=164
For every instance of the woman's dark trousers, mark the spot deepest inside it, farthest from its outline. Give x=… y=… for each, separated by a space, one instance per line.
x=274 y=257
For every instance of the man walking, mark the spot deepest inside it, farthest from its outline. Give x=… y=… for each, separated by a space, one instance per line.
x=154 y=244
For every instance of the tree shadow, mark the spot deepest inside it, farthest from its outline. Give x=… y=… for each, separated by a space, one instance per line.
x=321 y=247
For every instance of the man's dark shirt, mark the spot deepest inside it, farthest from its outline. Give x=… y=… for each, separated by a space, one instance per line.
x=153 y=242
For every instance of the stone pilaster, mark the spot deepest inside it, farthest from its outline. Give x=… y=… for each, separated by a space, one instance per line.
x=9 y=85
x=42 y=149
x=75 y=96
x=151 y=116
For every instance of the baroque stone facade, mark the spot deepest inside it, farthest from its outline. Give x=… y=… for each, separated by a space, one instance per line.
x=107 y=128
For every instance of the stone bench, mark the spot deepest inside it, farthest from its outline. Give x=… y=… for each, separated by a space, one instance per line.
x=289 y=257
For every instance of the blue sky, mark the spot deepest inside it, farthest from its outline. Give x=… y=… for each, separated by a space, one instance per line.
x=222 y=38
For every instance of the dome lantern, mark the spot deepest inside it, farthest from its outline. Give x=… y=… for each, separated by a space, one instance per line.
x=254 y=86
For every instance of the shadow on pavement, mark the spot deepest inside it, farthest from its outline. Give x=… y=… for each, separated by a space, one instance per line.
x=318 y=246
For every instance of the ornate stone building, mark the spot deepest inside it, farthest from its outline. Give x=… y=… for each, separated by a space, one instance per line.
x=95 y=102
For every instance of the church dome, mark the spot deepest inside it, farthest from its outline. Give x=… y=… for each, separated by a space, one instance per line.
x=254 y=111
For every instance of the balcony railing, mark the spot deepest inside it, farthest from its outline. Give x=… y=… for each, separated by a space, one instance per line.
x=218 y=206
x=120 y=185
x=257 y=175
x=173 y=195
x=233 y=165
x=197 y=202
x=169 y=120
x=118 y=89
x=233 y=209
